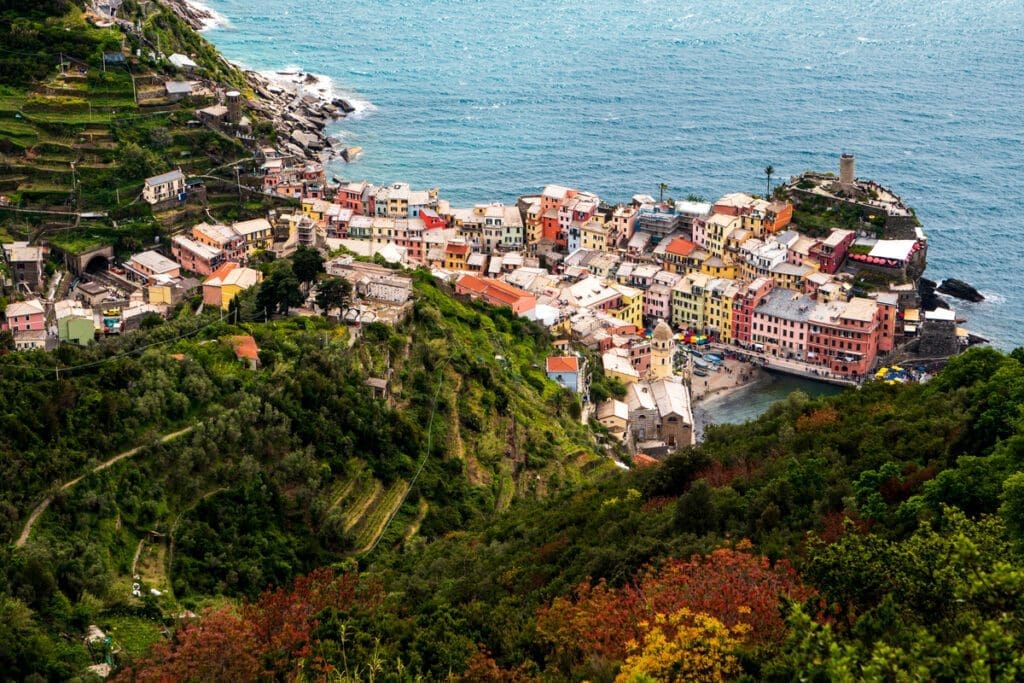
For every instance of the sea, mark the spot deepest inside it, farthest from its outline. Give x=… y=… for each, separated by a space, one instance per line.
x=489 y=99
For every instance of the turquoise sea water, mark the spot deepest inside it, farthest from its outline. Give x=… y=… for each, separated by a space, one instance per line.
x=490 y=99
x=750 y=401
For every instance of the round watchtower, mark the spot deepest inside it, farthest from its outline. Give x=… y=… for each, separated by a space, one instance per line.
x=846 y=170
x=233 y=101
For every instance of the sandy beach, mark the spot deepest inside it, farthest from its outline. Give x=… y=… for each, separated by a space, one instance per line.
x=733 y=374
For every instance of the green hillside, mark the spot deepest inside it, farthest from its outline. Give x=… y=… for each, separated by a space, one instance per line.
x=79 y=135
x=876 y=535
x=246 y=479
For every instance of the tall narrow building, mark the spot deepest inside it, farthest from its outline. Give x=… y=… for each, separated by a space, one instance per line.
x=661 y=351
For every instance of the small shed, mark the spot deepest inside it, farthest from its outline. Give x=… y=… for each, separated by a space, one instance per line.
x=246 y=350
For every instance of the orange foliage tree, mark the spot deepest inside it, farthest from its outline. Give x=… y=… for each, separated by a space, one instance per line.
x=732 y=586
x=272 y=638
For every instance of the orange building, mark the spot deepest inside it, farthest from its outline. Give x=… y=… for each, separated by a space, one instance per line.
x=496 y=293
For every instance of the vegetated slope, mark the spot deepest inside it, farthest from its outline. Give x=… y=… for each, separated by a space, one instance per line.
x=78 y=134
x=885 y=533
x=287 y=468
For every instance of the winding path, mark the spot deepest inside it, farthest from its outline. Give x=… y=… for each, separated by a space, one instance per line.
x=41 y=508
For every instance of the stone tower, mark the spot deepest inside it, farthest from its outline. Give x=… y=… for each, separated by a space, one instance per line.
x=661 y=351
x=233 y=99
x=846 y=174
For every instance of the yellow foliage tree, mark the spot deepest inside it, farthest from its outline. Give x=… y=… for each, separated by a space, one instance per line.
x=684 y=646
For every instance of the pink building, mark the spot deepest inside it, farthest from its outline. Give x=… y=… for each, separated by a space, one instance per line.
x=640 y=356
x=658 y=302
x=780 y=324
x=845 y=336
x=25 y=316
x=196 y=257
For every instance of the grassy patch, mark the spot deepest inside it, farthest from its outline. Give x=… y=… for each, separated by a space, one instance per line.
x=133 y=634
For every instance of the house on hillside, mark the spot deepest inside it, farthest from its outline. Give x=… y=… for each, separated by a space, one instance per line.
x=177 y=90
x=568 y=371
x=246 y=350
x=225 y=283
x=183 y=62
x=75 y=323
x=165 y=187
x=27 y=264
x=25 y=316
x=149 y=267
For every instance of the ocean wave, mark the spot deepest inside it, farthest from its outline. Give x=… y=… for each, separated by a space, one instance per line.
x=213 y=19
x=295 y=80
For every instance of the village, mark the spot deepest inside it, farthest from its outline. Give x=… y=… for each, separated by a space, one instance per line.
x=671 y=301
x=678 y=299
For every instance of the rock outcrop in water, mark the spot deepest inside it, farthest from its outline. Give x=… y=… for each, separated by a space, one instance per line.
x=929 y=299
x=960 y=290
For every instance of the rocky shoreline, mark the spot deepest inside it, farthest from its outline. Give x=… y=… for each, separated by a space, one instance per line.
x=298 y=111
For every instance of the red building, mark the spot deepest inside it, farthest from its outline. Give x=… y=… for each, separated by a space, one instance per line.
x=845 y=336
x=355 y=196
x=743 y=311
x=551 y=200
x=431 y=220
x=831 y=252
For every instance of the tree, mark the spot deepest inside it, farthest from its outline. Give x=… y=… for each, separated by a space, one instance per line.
x=701 y=648
x=279 y=291
x=1012 y=509
x=731 y=586
x=307 y=264
x=768 y=171
x=333 y=292
x=662 y=187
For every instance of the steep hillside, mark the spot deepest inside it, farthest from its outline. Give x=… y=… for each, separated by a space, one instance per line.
x=84 y=119
x=263 y=475
x=874 y=535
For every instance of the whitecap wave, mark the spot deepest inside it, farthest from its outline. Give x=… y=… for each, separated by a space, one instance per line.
x=295 y=80
x=213 y=18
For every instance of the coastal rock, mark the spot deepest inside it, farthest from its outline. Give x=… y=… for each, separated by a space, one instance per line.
x=929 y=299
x=960 y=290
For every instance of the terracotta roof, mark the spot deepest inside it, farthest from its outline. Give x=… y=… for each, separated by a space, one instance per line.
x=495 y=292
x=641 y=460
x=245 y=347
x=460 y=249
x=563 y=364
x=680 y=247
x=221 y=273
x=472 y=282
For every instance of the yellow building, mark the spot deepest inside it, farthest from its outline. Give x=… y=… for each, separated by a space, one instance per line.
x=688 y=301
x=225 y=283
x=594 y=235
x=316 y=210
x=719 y=301
x=717 y=231
x=258 y=234
x=717 y=266
x=788 y=276
x=616 y=364
x=631 y=311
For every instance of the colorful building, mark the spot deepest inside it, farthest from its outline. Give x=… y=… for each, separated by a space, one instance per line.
x=227 y=282
x=496 y=293
x=565 y=370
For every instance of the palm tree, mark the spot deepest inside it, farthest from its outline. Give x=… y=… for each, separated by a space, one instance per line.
x=768 y=170
x=661 y=192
